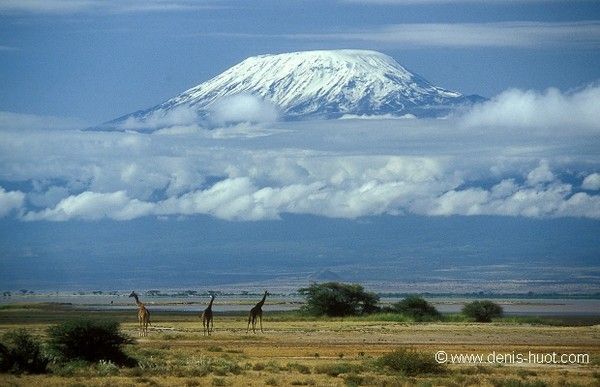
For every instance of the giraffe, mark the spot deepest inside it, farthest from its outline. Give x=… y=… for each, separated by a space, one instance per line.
x=256 y=312
x=143 y=315
x=207 y=317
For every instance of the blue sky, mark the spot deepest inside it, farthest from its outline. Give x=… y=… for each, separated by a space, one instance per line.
x=96 y=60
x=513 y=181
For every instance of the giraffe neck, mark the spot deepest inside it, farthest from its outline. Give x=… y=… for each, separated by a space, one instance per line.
x=137 y=301
x=211 y=302
x=261 y=302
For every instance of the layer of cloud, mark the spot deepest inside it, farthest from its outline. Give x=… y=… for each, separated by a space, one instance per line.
x=489 y=161
x=113 y=6
x=530 y=109
x=178 y=116
x=241 y=198
x=93 y=206
x=499 y=34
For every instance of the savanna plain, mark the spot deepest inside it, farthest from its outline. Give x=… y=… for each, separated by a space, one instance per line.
x=295 y=349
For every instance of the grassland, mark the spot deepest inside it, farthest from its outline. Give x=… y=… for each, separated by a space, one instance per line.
x=298 y=350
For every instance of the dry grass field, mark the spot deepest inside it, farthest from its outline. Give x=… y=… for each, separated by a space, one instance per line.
x=322 y=352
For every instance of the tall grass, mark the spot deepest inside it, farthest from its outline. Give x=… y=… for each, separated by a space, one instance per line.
x=410 y=363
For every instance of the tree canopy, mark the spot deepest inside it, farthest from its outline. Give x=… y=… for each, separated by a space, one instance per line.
x=338 y=299
x=416 y=307
x=482 y=311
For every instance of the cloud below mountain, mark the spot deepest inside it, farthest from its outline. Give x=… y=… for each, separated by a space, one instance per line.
x=504 y=157
x=243 y=108
x=534 y=110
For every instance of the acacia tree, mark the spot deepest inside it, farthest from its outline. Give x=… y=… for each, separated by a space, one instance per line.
x=482 y=311
x=89 y=340
x=417 y=308
x=338 y=299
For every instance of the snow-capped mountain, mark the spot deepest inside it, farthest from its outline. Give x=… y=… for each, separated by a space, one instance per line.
x=319 y=84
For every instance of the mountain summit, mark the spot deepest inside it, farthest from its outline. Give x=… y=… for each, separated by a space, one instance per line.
x=319 y=84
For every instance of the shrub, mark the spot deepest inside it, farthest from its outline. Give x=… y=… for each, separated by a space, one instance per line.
x=409 y=363
x=334 y=369
x=303 y=369
x=71 y=368
x=482 y=311
x=417 y=308
x=21 y=353
x=354 y=380
x=89 y=340
x=338 y=299
x=272 y=381
x=219 y=382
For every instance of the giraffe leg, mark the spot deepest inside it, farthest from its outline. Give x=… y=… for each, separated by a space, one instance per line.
x=212 y=326
x=260 y=317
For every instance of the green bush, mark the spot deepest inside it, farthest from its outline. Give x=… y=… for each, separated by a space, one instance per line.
x=334 y=369
x=20 y=353
x=482 y=311
x=89 y=340
x=417 y=308
x=303 y=369
x=409 y=363
x=338 y=299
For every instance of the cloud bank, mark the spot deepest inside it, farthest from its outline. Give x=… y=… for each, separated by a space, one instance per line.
x=67 y=7
x=530 y=109
x=523 y=153
x=517 y=34
x=179 y=116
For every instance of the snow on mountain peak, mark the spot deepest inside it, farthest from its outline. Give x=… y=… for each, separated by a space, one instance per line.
x=319 y=84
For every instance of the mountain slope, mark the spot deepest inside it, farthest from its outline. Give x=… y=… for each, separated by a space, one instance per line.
x=320 y=84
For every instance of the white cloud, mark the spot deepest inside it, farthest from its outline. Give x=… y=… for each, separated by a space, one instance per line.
x=106 y=6
x=542 y=174
x=531 y=109
x=519 y=34
x=465 y=202
x=178 y=117
x=243 y=108
x=10 y=201
x=94 y=206
x=591 y=182
x=335 y=168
